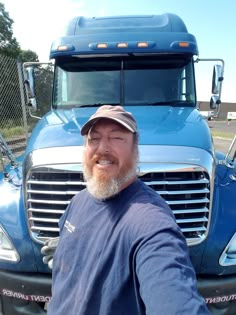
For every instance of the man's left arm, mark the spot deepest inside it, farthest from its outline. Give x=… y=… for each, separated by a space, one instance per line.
x=166 y=277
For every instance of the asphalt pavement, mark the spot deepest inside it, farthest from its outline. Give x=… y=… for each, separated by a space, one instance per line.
x=226 y=128
x=223 y=126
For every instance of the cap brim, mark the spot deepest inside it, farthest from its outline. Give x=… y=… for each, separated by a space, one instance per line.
x=88 y=125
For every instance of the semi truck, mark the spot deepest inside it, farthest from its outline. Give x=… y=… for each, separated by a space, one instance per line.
x=146 y=64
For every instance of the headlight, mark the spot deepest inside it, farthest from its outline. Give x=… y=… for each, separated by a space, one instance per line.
x=7 y=250
x=228 y=257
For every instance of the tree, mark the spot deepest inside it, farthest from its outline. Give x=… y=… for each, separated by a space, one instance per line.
x=8 y=43
x=11 y=57
x=28 y=56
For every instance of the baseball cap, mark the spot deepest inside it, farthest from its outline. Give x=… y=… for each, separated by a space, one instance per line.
x=116 y=113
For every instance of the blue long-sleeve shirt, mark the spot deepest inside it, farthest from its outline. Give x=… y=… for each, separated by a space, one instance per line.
x=125 y=255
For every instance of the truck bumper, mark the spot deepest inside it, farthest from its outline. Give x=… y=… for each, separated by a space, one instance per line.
x=24 y=293
x=27 y=293
x=219 y=294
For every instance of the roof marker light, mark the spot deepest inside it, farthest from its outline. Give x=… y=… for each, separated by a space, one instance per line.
x=122 y=45
x=142 y=44
x=102 y=45
x=183 y=44
x=63 y=48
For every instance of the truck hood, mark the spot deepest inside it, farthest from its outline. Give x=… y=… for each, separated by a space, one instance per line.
x=157 y=125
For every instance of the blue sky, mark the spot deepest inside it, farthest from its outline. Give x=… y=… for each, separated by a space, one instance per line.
x=213 y=22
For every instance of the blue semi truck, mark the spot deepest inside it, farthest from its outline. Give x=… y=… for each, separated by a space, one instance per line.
x=146 y=64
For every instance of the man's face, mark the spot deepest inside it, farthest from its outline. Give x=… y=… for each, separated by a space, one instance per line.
x=110 y=159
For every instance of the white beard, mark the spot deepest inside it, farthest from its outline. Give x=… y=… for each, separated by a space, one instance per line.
x=106 y=189
x=102 y=187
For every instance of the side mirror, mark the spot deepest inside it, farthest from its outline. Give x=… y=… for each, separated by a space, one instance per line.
x=217 y=79
x=30 y=87
x=214 y=101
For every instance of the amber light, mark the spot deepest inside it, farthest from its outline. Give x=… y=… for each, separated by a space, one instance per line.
x=183 y=44
x=102 y=45
x=122 y=45
x=62 y=48
x=142 y=44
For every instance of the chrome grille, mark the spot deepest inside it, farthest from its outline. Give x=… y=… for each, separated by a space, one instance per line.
x=188 y=195
x=49 y=191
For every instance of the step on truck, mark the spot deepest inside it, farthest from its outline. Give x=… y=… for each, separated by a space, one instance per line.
x=146 y=64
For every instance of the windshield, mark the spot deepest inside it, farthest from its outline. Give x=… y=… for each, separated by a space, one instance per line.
x=127 y=81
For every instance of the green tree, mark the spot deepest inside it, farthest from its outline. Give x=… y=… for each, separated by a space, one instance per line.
x=28 y=56
x=8 y=43
x=11 y=57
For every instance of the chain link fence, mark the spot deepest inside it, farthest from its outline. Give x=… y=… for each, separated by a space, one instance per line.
x=13 y=126
x=16 y=122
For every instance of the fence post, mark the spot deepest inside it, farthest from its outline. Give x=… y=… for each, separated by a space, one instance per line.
x=20 y=76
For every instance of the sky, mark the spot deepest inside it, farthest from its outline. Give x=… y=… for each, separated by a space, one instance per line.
x=212 y=22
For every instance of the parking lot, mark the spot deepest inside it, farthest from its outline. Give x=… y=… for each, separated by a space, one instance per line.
x=223 y=126
x=222 y=143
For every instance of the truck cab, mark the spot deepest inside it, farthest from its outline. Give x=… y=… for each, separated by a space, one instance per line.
x=146 y=64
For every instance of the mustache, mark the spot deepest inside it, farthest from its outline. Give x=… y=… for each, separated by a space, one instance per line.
x=106 y=156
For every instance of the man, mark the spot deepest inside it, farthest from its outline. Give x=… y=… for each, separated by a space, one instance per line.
x=120 y=249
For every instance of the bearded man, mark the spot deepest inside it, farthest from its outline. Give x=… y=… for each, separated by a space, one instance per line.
x=120 y=250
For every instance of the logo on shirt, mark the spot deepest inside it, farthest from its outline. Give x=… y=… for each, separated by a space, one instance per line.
x=70 y=228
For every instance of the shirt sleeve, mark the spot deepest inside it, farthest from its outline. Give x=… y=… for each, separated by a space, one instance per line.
x=166 y=278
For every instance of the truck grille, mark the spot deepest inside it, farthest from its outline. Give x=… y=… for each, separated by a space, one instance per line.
x=48 y=192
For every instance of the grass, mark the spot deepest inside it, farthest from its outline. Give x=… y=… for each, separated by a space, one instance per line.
x=222 y=134
x=13 y=131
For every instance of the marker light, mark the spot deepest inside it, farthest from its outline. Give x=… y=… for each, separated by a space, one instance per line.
x=62 y=48
x=122 y=45
x=102 y=45
x=183 y=44
x=142 y=44
x=65 y=48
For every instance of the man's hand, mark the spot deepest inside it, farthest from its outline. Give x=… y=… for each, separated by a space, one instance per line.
x=48 y=251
